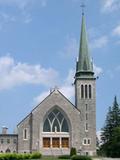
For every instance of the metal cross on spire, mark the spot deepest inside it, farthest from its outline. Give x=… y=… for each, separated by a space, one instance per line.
x=83 y=7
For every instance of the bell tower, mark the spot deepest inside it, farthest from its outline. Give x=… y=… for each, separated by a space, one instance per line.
x=85 y=94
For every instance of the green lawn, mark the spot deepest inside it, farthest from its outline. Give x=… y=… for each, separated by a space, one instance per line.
x=50 y=158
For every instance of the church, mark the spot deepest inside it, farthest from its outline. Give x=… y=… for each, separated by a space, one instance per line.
x=56 y=125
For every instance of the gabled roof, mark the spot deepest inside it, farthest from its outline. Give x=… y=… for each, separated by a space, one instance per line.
x=55 y=90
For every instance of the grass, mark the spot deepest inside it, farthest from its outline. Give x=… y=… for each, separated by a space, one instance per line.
x=50 y=158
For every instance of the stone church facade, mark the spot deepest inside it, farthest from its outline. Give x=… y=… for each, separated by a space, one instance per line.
x=56 y=125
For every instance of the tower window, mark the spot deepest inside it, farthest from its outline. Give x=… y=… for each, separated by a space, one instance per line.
x=90 y=91
x=89 y=141
x=86 y=141
x=86 y=116
x=86 y=127
x=86 y=92
x=82 y=91
x=86 y=107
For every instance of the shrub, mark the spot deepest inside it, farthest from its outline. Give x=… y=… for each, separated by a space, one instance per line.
x=36 y=155
x=27 y=156
x=15 y=156
x=19 y=156
x=79 y=157
x=64 y=157
x=73 y=151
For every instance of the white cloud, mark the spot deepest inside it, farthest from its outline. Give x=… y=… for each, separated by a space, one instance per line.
x=41 y=97
x=22 y=4
x=110 y=5
x=97 y=70
x=14 y=74
x=43 y=3
x=99 y=42
x=66 y=89
x=99 y=134
x=116 y=31
x=6 y=18
x=18 y=3
x=24 y=7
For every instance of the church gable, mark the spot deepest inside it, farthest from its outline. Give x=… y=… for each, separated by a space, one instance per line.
x=56 y=98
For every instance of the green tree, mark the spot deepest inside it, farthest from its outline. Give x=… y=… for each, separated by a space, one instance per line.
x=110 y=130
x=113 y=146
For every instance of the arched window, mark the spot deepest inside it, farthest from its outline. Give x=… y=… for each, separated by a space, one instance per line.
x=82 y=91
x=86 y=92
x=55 y=122
x=7 y=150
x=90 y=91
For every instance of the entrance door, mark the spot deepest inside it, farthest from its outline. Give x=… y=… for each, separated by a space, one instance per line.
x=55 y=142
x=65 y=142
x=46 y=142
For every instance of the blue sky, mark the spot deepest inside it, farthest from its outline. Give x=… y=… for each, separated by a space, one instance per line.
x=39 y=41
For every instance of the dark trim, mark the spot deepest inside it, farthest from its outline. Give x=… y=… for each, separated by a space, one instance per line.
x=31 y=130
x=23 y=119
x=69 y=102
x=13 y=135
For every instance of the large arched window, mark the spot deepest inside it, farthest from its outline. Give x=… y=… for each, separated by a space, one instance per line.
x=55 y=122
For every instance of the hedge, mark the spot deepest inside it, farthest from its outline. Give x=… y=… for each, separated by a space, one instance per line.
x=15 y=156
x=79 y=157
x=64 y=157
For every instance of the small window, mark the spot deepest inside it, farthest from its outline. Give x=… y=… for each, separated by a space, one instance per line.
x=86 y=107
x=14 y=141
x=89 y=141
x=85 y=141
x=86 y=127
x=25 y=134
x=8 y=141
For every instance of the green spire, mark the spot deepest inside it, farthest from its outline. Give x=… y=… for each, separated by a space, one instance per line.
x=84 y=64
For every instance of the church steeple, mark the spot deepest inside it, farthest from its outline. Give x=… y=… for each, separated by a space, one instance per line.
x=85 y=92
x=84 y=65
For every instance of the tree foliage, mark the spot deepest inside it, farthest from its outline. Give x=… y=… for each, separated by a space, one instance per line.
x=111 y=132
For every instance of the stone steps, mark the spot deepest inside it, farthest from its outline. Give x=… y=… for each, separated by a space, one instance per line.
x=55 y=152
